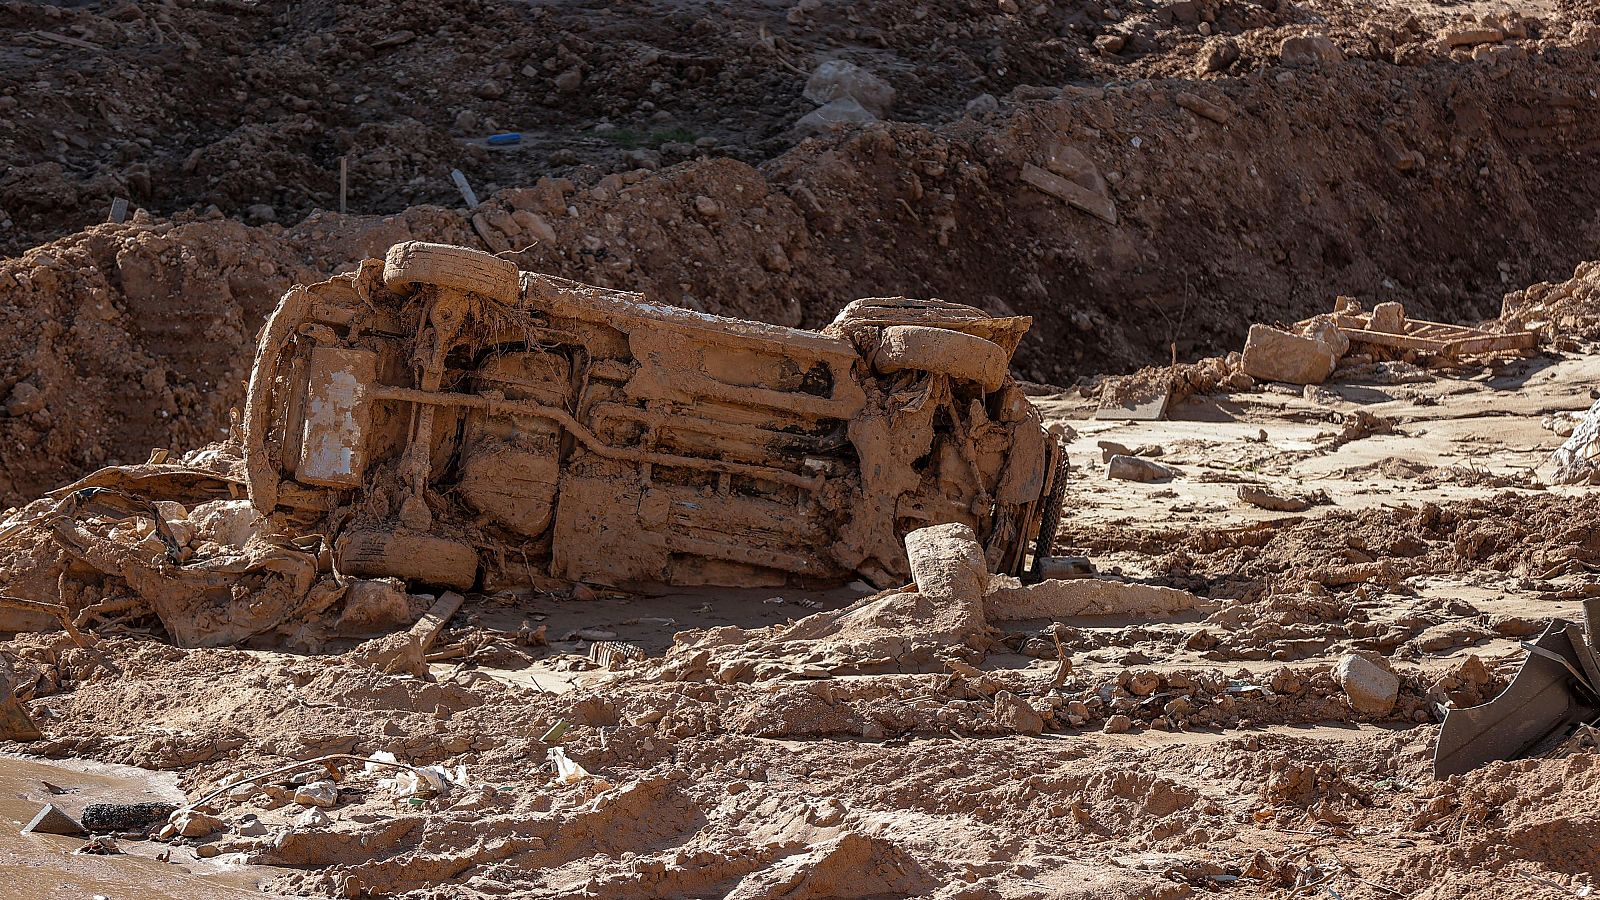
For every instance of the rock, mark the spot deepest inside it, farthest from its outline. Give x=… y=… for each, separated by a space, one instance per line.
x=193 y=824
x=1014 y=713
x=1143 y=683
x=569 y=81
x=1110 y=44
x=1117 y=724
x=260 y=213
x=466 y=121
x=374 y=606
x=1217 y=54
x=176 y=518
x=844 y=112
x=836 y=80
x=1109 y=449
x=983 y=105
x=1325 y=331
x=1133 y=468
x=1467 y=37
x=489 y=89
x=1369 y=683
x=534 y=224
x=317 y=793
x=947 y=563
x=1310 y=50
x=1274 y=355
x=1203 y=108
x=1389 y=318
x=25 y=398
x=707 y=208
x=312 y=818
x=1260 y=496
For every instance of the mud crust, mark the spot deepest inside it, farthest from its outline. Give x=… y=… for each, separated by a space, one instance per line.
x=965 y=357
x=459 y=268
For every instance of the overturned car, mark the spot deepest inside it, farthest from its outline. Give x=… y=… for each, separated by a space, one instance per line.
x=442 y=418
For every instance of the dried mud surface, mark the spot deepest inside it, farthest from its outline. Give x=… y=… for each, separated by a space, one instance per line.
x=831 y=745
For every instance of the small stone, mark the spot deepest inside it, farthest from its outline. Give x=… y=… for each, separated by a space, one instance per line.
x=25 y=398
x=1217 y=54
x=317 y=793
x=707 y=208
x=569 y=81
x=1369 y=683
x=982 y=105
x=1117 y=724
x=490 y=90
x=1143 y=684
x=1014 y=713
x=1309 y=50
x=840 y=113
x=1467 y=37
x=193 y=824
x=1110 y=44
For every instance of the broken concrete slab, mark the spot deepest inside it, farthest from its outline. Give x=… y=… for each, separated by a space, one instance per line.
x=1271 y=354
x=1134 y=468
x=53 y=820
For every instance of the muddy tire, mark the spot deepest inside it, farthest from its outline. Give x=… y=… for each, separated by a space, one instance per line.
x=456 y=268
x=961 y=356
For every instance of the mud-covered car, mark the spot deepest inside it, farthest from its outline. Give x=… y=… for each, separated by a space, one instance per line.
x=447 y=419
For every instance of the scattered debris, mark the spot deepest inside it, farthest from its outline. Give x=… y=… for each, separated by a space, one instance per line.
x=1578 y=460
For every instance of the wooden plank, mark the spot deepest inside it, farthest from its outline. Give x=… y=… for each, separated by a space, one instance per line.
x=1071 y=193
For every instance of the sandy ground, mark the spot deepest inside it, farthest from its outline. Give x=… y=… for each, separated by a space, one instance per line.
x=752 y=757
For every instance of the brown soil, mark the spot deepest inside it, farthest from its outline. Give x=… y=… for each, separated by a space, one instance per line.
x=748 y=757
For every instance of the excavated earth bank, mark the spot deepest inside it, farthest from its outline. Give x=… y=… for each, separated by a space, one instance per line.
x=1255 y=172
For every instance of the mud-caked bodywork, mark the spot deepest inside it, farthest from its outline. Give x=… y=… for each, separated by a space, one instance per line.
x=443 y=418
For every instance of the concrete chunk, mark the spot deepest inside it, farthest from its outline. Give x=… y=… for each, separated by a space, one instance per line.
x=947 y=562
x=51 y=820
x=1274 y=355
x=1133 y=468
